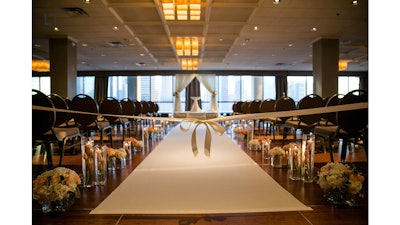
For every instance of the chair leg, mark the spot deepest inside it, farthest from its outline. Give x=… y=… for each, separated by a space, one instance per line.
x=61 y=146
x=49 y=157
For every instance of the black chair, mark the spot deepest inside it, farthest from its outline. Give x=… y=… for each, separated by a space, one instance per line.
x=267 y=105
x=64 y=132
x=352 y=125
x=47 y=129
x=128 y=109
x=112 y=106
x=328 y=124
x=353 y=122
x=282 y=104
x=42 y=122
x=304 y=122
x=89 y=123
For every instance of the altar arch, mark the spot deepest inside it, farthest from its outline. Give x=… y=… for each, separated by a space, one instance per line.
x=183 y=80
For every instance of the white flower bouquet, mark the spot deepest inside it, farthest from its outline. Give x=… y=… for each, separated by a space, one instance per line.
x=340 y=182
x=55 y=185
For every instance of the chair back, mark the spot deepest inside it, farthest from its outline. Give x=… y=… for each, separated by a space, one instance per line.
x=353 y=121
x=284 y=104
x=42 y=121
x=267 y=105
x=152 y=107
x=308 y=102
x=254 y=106
x=138 y=107
x=245 y=107
x=128 y=107
x=59 y=103
x=145 y=107
x=238 y=107
x=332 y=101
x=84 y=103
x=111 y=105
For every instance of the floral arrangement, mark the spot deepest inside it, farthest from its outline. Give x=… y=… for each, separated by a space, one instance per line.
x=55 y=184
x=340 y=182
x=255 y=143
x=276 y=151
x=135 y=142
x=118 y=153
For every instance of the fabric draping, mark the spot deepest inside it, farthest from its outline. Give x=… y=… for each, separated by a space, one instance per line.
x=183 y=80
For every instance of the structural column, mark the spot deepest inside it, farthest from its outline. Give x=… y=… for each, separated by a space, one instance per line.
x=325 y=66
x=63 y=59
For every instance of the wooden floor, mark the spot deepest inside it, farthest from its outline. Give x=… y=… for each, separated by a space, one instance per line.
x=309 y=194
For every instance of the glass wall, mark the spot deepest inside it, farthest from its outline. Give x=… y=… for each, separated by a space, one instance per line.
x=230 y=89
x=85 y=85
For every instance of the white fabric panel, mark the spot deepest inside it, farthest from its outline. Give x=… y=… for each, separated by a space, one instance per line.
x=172 y=181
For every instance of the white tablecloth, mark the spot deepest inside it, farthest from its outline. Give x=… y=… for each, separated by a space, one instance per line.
x=172 y=181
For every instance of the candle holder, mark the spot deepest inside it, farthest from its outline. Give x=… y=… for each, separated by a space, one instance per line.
x=294 y=162
x=265 y=149
x=87 y=151
x=307 y=157
x=100 y=163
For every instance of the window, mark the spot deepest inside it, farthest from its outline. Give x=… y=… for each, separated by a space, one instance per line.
x=85 y=85
x=347 y=84
x=159 y=89
x=243 y=88
x=42 y=84
x=117 y=87
x=299 y=87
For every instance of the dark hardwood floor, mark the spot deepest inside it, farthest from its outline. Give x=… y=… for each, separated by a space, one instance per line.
x=308 y=193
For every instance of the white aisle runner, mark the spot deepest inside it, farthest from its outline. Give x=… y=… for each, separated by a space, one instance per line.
x=172 y=181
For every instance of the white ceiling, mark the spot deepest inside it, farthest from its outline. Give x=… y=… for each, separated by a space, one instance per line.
x=228 y=40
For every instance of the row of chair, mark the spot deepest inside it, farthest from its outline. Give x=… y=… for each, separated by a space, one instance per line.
x=61 y=127
x=349 y=126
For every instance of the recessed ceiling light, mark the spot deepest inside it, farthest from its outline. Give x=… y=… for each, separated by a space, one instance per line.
x=290 y=45
x=115 y=28
x=314 y=29
x=56 y=29
x=276 y=1
x=141 y=54
x=255 y=28
x=355 y=2
x=84 y=45
x=87 y=1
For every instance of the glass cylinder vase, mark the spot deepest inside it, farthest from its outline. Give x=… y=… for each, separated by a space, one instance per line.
x=307 y=157
x=88 y=171
x=128 y=149
x=100 y=163
x=294 y=162
x=265 y=148
x=276 y=161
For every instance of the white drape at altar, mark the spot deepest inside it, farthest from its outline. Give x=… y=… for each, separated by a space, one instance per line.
x=183 y=80
x=172 y=181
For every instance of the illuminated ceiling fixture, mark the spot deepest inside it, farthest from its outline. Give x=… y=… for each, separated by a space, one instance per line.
x=343 y=64
x=276 y=1
x=184 y=9
x=187 y=46
x=190 y=63
x=39 y=65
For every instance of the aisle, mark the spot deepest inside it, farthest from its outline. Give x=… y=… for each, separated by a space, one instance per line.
x=172 y=181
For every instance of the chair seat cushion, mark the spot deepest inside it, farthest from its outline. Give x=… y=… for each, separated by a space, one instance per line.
x=65 y=132
x=327 y=130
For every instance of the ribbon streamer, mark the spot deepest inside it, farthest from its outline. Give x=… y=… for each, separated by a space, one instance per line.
x=214 y=123
x=207 y=141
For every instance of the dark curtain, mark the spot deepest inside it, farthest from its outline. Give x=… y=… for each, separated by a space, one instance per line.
x=100 y=88
x=192 y=90
x=281 y=86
